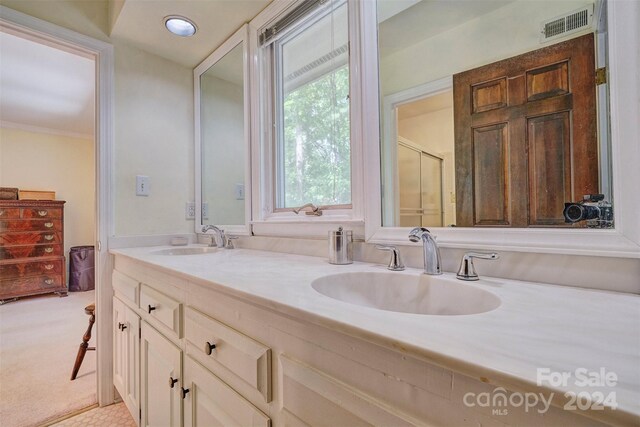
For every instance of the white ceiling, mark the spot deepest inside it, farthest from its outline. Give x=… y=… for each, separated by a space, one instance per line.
x=45 y=88
x=141 y=22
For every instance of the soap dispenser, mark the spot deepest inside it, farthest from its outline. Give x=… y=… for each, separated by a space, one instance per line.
x=341 y=246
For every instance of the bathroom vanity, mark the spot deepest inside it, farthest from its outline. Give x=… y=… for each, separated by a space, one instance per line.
x=242 y=337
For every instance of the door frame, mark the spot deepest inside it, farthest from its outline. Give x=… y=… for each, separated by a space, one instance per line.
x=102 y=52
x=389 y=142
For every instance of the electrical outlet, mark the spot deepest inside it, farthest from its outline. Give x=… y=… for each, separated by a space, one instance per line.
x=190 y=210
x=239 y=191
x=205 y=211
x=142 y=185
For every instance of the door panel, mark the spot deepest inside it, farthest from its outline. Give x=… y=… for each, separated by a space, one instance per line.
x=525 y=136
x=431 y=177
x=160 y=362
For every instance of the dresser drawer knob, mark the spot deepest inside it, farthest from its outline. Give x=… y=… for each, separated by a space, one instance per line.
x=48 y=250
x=49 y=237
x=208 y=348
x=43 y=213
x=1 y=212
x=172 y=381
x=122 y=326
x=150 y=308
x=48 y=224
x=48 y=281
x=48 y=266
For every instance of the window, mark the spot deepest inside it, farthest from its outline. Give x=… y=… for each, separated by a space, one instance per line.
x=309 y=51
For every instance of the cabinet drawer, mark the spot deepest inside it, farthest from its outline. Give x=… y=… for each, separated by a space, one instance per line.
x=125 y=287
x=30 y=284
x=162 y=308
x=211 y=402
x=9 y=213
x=42 y=213
x=31 y=268
x=29 y=251
x=30 y=238
x=31 y=225
x=244 y=357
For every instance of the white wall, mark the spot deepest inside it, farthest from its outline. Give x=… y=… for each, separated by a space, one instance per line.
x=39 y=161
x=503 y=33
x=223 y=149
x=434 y=133
x=153 y=137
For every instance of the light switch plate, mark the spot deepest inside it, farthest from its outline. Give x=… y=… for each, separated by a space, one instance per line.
x=239 y=191
x=190 y=210
x=142 y=185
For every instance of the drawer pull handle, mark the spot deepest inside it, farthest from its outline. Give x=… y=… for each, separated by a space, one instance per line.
x=172 y=381
x=183 y=392
x=42 y=213
x=48 y=237
x=48 y=224
x=150 y=308
x=48 y=281
x=122 y=326
x=48 y=266
x=208 y=348
x=48 y=250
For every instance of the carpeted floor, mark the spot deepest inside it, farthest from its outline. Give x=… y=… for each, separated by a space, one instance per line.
x=39 y=339
x=110 y=416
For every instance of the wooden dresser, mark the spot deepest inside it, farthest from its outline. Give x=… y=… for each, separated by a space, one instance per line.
x=31 y=248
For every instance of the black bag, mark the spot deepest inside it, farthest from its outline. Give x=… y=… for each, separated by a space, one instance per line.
x=81 y=269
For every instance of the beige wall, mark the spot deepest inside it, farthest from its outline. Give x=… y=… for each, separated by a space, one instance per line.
x=39 y=161
x=153 y=137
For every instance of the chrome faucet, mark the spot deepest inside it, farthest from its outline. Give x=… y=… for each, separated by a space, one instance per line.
x=467 y=270
x=218 y=237
x=430 y=250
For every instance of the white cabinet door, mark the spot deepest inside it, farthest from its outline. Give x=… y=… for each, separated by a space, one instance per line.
x=210 y=402
x=126 y=356
x=119 y=347
x=160 y=379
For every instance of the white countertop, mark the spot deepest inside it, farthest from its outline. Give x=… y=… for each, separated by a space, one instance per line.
x=536 y=326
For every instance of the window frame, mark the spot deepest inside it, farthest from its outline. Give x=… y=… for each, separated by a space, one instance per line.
x=267 y=218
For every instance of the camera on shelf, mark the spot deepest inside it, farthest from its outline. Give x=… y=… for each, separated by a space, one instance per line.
x=597 y=212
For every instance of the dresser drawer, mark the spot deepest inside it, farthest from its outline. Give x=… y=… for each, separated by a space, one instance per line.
x=24 y=268
x=161 y=308
x=30 y=284
x=125 y=287
x=9 y=213
x=31 y=225
x=30 y=238
x=246 y=358
x=41 y=213
x=29 y=251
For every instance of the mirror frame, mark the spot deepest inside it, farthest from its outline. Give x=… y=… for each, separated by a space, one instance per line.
x=623 y=241
x=240 y=37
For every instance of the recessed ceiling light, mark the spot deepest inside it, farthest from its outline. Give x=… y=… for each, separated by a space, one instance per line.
x=180 y=26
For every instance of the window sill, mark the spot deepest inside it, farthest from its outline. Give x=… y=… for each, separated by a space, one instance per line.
x=307 y=226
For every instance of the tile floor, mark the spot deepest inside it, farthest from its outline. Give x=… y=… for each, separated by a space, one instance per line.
x=113 y=416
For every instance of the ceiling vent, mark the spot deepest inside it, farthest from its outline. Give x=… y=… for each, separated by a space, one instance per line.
x=566 y=24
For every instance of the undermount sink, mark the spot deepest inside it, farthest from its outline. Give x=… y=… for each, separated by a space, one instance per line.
x=406 y=293
x=186 y=251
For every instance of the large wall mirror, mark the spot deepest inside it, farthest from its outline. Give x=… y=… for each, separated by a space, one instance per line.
x=494 y=113
x=222 y=137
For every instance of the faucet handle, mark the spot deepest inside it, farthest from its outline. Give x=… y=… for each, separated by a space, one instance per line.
x=467 y=270
x=395 y=263
x=230 y=243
